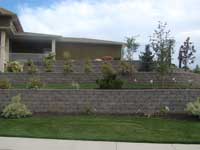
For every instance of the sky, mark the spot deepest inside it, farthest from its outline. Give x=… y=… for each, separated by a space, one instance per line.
x=111 y=19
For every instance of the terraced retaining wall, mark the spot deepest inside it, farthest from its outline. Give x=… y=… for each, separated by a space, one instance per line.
x=60 y=78
x=102 y=101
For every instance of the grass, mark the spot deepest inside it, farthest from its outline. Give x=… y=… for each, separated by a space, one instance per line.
x=126 y=86
x=105 y=128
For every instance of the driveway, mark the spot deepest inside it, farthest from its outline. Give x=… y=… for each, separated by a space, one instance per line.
x=49 y=144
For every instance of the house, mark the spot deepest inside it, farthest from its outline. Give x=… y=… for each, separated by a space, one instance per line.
x=15 y=44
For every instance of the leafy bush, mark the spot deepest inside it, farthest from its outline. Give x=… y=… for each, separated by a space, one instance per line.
x=67 y=63
x=107 y=70
x=164 y=110
x=194 y=107
x=49 y=61
x=88 y=66
x=31 y=67
x=109 y=80
x=5 y=84
x=126 y=68
x=15 y=67
x=35 y=83
x=16 y=109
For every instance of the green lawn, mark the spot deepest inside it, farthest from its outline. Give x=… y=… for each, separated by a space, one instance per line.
x=105 y=128
x=125 y=86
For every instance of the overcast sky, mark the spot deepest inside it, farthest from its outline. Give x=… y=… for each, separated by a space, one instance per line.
x=110 y=19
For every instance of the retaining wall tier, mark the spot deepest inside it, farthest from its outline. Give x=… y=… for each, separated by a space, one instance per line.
x=140 y=77
x=102 y=101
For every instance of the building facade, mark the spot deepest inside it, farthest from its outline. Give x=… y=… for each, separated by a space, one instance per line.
x=15 y=44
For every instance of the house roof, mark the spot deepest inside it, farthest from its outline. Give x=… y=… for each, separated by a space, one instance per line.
x=87 y=40
x=6 y=12
x=16 y=22
x=37 y=36
x=30 y=35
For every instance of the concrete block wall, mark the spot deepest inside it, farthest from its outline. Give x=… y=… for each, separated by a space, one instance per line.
x=102 y=101
x=78 y=66
x=60 y=78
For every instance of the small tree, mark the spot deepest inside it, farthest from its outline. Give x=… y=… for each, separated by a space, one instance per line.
x=88 y=66
x=163 y=46
x=147 y=63
x=67 y=63
x=49 y=62
x=197 y=69
x=126 y=68
x=131 y=47
x=186 y=54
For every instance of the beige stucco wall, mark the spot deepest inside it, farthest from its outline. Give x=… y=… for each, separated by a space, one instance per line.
x=85 y=50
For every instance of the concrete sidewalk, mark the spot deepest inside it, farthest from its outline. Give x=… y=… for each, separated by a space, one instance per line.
x=46 y=144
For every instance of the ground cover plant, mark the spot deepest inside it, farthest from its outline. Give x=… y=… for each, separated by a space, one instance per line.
x=105 y=128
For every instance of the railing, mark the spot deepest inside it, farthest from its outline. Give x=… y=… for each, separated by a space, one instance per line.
x=23 y=57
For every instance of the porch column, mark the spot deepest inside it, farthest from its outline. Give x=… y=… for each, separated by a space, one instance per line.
x=7 y=49
x=2 y=50
x=53 y=47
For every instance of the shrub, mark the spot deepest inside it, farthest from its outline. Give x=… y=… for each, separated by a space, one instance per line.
x=5 y=84
x=107 y=70
x=194 y=107
x=109 y=80
x=88 y=109
x=107 y=58
x=16 y=109
x=35 y=83
x=15 y=67
x=164 y=110
x=110 y=83
x=49 y=61
x=31 y=67
x=88 y=66
x=197 y=69
x=67 y=63
x=126 y=68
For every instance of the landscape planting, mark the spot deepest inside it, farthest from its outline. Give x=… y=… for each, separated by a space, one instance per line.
x=152 y=99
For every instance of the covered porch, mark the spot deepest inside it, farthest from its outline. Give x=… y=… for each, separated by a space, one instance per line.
x=25 y=46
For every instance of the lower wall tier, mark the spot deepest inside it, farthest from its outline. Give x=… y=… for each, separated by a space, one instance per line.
x=102 y=101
